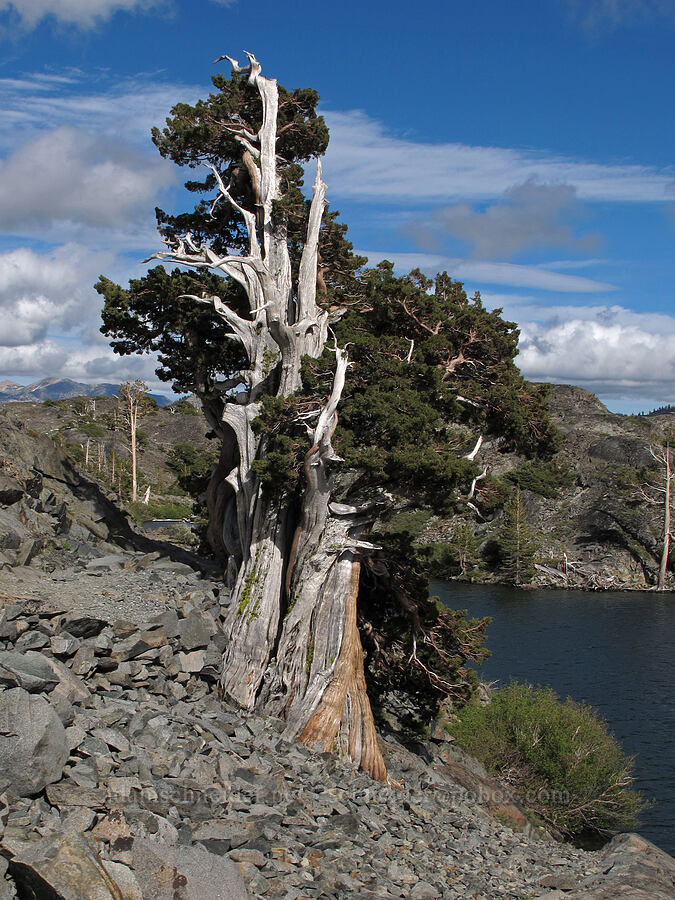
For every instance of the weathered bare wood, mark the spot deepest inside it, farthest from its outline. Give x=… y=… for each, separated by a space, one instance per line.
x=294 y=645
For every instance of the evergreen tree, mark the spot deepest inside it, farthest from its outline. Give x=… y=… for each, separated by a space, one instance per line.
x=465 y=547
x=517 y=547
x=328 y=388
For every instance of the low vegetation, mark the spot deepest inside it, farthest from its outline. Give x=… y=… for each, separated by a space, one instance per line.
x=558 y=757
x=163 y=509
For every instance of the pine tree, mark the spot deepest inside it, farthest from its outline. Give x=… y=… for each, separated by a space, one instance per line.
x=517 y=547
x=465 y=547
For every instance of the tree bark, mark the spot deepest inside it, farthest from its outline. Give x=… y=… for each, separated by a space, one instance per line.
x=294 y=647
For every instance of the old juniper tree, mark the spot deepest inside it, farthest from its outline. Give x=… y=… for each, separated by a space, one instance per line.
x=294 y=642
x=327 y=388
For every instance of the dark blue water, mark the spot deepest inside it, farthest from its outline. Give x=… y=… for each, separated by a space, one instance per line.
x=612 y=650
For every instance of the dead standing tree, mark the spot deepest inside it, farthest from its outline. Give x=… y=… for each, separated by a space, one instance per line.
x=660 y=494
x=294 y=646
x=133 y=394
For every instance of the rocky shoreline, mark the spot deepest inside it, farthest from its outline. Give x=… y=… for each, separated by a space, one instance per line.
x=120 y=764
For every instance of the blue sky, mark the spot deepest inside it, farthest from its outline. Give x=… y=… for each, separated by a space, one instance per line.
x=526 y=148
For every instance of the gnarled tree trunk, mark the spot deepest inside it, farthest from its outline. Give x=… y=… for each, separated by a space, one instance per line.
x=294 y=646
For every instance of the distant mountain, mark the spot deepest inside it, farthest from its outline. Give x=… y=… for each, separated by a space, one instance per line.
x=62 y=389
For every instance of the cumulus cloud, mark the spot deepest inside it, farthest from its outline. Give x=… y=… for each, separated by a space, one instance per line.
x=365 y=162
x=83 y=13
x=610 y=350
x=532 y=215
x=50 y=291
x=70 y=175
x=480 y=271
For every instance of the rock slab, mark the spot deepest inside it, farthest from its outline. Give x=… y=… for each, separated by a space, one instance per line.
x=167 y=872
x=33 y=743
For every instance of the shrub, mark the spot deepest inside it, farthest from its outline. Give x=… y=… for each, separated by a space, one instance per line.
x=544 y=477
x=92 y=429
x=558 y=757
x=186 y=408
x=159 y=509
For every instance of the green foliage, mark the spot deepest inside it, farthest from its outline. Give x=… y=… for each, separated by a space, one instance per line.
x=153 y=316
x=286 y=444
x=185 y=408
x=199 y=134
x=142 y=439
x=159 y=509
x=192 y=466
x=92 y=429
x=465 y=547
x=558 y=757
x=409 y=520
x=545 y=477
x=398 y=415
x=517 y=547
x=397 y=608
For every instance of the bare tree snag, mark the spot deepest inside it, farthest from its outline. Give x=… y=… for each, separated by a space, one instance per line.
x=132 y=394
x=660 y=494
x=294 y=645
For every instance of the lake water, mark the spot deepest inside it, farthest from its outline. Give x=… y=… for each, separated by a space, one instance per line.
x=611 y=650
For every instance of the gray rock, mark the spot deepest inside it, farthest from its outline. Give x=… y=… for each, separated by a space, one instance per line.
x=29 y=549
x=195 y=630
x=10 y=490
x=69 y=686
x=111 y=562
x=31 y=640
x=83 y=626
x=11 y=630
x=138 y=643
x=196 y=873
x=33 y=743
x=63 y=866
x=424 y=891
x=30 y=671
x=192 y=662
x=64 y=644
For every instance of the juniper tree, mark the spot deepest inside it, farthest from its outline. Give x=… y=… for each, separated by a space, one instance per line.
x=327 y=387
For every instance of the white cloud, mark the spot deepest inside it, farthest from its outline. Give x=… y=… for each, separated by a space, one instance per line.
x=83 y=13
x=122 y=110
x=595 y=15
x=47 y=292
x=68 y=175
x=483 y=272
x=609 y=358
x=365 y=162
x=610 y=350
x=49 y=358
x=531 y=215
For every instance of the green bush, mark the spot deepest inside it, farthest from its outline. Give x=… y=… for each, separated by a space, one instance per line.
x=559 y=759
x=186 y=408
x=541 y=476
x=159 y=509
x=92 y=429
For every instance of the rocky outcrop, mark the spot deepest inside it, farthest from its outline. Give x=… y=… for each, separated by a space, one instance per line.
x=595 y=531
x=158 y=789
x=49 y=511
